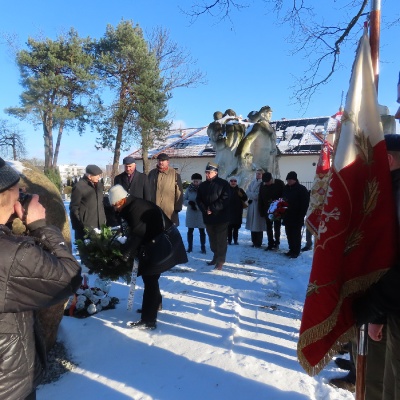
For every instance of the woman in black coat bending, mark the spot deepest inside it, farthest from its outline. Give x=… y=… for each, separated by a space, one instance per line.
x=145 y=221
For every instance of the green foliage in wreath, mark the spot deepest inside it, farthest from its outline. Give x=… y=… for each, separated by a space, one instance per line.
x=99 y=248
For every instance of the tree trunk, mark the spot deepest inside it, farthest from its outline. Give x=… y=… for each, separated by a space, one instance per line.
x=146 y=162
x=58 y=144
x=117 y=152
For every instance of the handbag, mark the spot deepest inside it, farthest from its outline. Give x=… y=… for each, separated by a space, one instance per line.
x=163 y=252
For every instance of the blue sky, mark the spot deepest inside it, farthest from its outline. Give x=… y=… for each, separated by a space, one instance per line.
x=247 y=61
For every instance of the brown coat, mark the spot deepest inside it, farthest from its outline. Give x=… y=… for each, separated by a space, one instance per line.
x=167 y=192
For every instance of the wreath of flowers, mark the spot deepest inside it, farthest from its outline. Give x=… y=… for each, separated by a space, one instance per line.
x=277 y=209
x=99 y=248
x=90 y=300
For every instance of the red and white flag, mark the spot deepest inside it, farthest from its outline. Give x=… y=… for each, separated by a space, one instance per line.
x=356 y=243
x=319 y=189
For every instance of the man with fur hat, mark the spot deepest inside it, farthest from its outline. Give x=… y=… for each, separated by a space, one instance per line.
x=166 y=188
x=36 y=271
x=213 y=201
x=86 y=207
x=270 y=190
x=297 y=197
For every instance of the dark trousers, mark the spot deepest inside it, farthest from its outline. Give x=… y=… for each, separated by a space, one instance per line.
x=256 y=238
x=309 y=239
x=217 y=235
x=273 y=230
x=190 y=237
x=391 y=379
x=233 y=233
x=151 y=297
x=293 y=234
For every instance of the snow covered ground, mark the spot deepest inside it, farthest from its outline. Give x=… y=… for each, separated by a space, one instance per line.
x=230 y=334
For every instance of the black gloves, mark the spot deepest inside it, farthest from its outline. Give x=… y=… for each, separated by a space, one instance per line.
x=192 y=204
x=250 y=201
x=366 y=311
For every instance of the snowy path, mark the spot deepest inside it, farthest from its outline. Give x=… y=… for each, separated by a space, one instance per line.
x=229 y=334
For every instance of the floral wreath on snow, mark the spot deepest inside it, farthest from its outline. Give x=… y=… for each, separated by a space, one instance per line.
x=277 y=209
x=99 y=248
x=90 y=300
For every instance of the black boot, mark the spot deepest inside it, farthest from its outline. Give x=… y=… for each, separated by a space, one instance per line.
x=190 y=240
x=203 y=240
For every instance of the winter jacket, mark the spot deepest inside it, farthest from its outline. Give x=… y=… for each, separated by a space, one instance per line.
x=86 y=208
x=298 y=198
x=145 y=221
x=194 y=218
x=214 y=195
x=138 y=186
x=236 y=198
x=267 y=194
x=167 y=192
x=254 y=222
x=32 y=276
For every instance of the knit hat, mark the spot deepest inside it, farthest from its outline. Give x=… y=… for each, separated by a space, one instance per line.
x=212 y=167
x=392 y=142
x=197 y=176
x=92 y=169
x=266 y=177
x=163 y=157
x=291 y=175
x=128 y=160
x=116 y=193
x=8 y=176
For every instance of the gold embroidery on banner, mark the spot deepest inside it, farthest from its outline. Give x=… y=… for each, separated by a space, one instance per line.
x=352 y=241
x=364 y=147
x=371 y=193
x=313 y=287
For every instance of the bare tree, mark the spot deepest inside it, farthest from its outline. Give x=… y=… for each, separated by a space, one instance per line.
x=320 y=37
x=12 y=141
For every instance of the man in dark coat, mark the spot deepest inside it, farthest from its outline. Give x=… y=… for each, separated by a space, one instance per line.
x=270 y=190
x=87 y=208
x=133 y=181
x=145 y=220
x=213 y=201
x=297 y=197
x=237 y=198
x=36 y=271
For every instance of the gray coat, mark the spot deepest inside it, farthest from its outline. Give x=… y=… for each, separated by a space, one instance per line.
x=254 y=222
x=194 y=218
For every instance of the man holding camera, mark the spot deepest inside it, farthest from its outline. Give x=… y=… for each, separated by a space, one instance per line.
x=36 y=271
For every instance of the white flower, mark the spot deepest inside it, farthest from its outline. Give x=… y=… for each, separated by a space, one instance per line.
x=105 y=301
x=81 y=298
x=99 y=307
x=86 y=241
x=94 y=299
x=121 y=239
x=91 y=309
x=80 y=306
x=97 y=230
x=87 y=293
x=80 y=291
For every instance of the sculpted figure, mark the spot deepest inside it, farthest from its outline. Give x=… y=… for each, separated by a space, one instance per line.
x=242 y=146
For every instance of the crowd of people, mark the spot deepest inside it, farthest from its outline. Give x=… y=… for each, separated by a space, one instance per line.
x=148 y=206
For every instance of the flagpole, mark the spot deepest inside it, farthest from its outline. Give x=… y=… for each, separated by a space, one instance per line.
x=374 y=37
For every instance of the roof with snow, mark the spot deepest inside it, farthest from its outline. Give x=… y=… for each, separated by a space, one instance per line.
x=294 y=136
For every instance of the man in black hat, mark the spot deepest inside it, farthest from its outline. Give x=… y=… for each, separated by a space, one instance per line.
x=213 y=201
x=270 y=190
x=166 y=188
x=133 y=181
x=86 y=207
x=297 y=197
x=37 y=271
